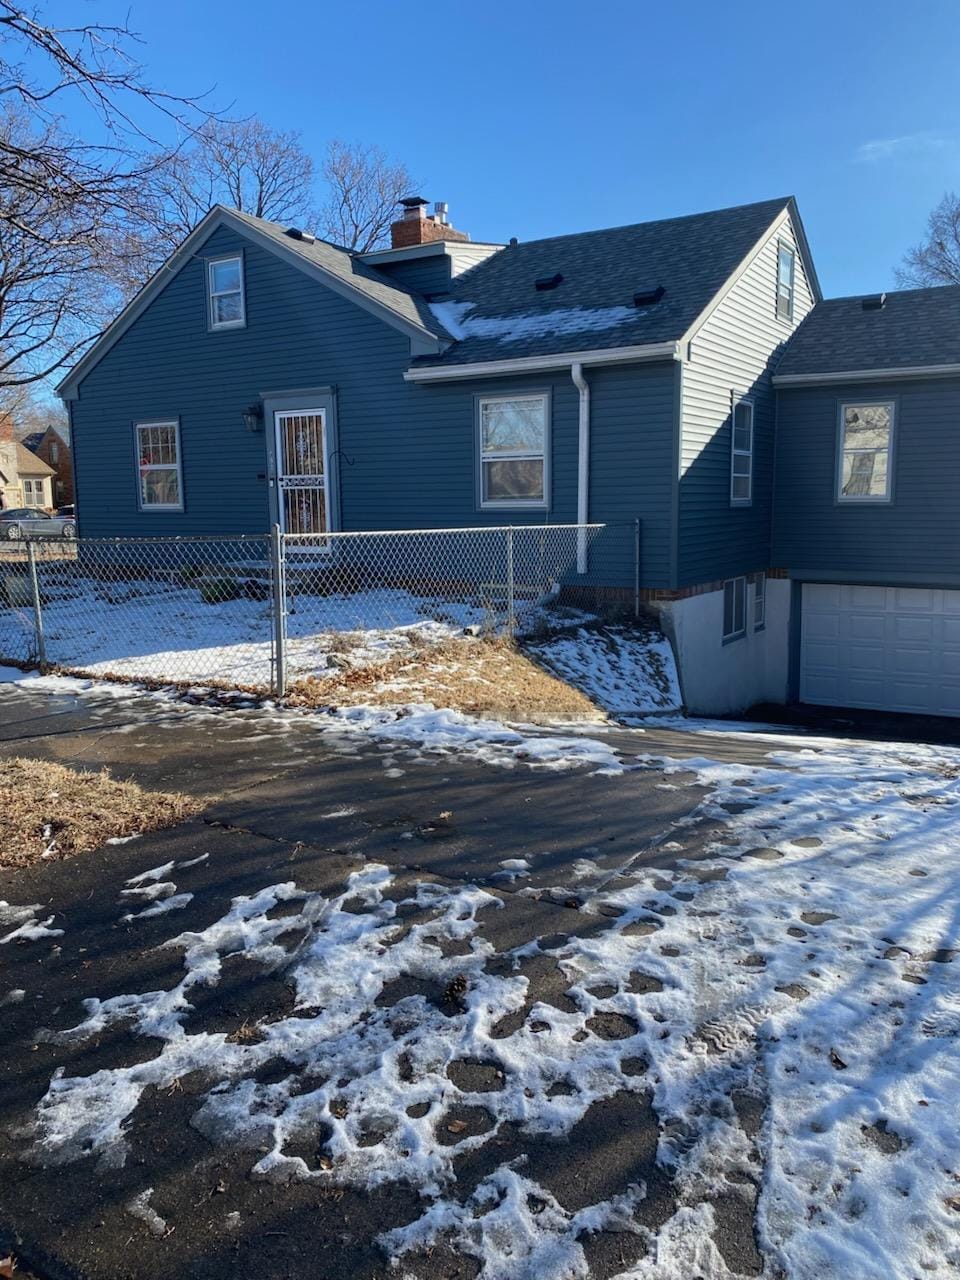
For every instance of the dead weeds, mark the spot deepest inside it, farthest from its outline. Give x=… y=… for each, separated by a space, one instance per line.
x=50 y=811
x=486 y=676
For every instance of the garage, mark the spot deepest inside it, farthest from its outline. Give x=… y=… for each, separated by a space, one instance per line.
x=884 y=648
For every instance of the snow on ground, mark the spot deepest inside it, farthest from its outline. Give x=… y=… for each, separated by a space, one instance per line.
x=167 y=631
x=807 y=970
x=27 y=926
x=619 y=668
x=418 y=727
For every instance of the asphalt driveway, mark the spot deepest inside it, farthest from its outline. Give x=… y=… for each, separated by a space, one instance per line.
x=426 y=1013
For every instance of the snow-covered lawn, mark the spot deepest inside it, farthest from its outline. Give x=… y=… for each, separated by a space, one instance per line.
x=168 y=631
x=792 y=1003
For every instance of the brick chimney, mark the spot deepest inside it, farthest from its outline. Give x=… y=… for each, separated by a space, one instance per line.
x=416 y=226
x=6 y=426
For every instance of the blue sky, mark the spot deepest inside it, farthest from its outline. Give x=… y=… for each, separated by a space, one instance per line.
x=535 y=119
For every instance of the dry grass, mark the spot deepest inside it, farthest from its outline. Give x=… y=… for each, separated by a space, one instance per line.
x=49 y=811
x=478 y=676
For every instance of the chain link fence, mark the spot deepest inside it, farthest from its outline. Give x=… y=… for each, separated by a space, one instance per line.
x=264 y=613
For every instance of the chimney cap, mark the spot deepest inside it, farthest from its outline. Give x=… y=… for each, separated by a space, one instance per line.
x=412 y=202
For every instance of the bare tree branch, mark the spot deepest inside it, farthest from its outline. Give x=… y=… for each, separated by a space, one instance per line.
x=937 y=259
x=365 y=188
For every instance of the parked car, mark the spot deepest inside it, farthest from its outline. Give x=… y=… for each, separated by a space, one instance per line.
x=32 y=522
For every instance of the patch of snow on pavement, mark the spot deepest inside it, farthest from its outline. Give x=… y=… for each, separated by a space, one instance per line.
x=793 y=995
x=28 y=928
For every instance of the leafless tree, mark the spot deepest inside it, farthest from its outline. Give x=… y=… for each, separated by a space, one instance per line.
x=243 y=164
x=364 y=188
x=936 y=260
x=65 y=201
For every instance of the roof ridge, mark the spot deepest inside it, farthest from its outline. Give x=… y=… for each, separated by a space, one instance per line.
x=892 y=293
x=656 y=222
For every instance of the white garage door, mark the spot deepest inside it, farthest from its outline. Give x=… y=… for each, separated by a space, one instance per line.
x=890 y=648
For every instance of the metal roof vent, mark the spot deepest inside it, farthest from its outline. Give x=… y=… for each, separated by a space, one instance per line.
x=543 y=283
x=295 y=233
x=874 y=302
x=647 y=297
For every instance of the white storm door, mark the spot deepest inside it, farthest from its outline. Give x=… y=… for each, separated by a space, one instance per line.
x=302 y=470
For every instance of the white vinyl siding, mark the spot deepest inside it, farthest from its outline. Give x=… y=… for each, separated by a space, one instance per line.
x=741 y=453
x=159 y=473
x=513 y=436
x=865 y=452
x=734 y=608
x=225 y=292
x=736 y=346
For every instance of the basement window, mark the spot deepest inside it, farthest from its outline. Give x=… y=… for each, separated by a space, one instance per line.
x=759 y=601
x=513 y=451
x=227 y=305
x=734 y=609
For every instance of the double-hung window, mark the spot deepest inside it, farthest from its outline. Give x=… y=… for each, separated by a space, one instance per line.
x=864 y=471
x=227 y=306
x=741 y=454
x=759 y=601
x=734 y=608
x=786 y=269
x=513 y=451
x=159 y=474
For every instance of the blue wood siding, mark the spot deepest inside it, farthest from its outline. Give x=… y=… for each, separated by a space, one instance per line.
x=408 y=452
x=425 y=275
x=915 y=539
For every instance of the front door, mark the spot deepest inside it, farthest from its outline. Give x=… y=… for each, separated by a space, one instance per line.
x=302 y=469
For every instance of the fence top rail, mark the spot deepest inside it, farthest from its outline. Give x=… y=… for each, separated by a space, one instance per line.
x=404 y=533
x=181 y=541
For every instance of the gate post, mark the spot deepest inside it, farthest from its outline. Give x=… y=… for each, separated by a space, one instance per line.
x=636 y=568
x=279 y=586
x=511 y=611
x=37 y=609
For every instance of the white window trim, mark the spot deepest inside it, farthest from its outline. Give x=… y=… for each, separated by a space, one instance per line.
x=222 y=293
x=868 y=499
x=738 y=632
x=742 y=453
x=514 y=504
x=784 y=247
x=759 y=601
x=159 y=506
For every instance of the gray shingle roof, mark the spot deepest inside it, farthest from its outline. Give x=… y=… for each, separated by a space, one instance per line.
x=496 y=312
x=915 y=327
x=348 y=267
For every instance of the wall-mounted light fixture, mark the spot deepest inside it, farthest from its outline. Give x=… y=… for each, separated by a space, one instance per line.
x=253 y=418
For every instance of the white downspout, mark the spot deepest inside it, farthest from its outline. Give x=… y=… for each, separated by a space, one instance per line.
x=583 y=463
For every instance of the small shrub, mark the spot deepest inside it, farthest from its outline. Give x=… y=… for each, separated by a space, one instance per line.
x=217 y=590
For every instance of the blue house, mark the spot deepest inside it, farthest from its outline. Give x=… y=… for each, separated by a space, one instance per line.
x=609 y=376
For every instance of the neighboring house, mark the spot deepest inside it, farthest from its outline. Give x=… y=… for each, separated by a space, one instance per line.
x=25 y=480
x=606 y=376
x=868 y=472
x=54 y=449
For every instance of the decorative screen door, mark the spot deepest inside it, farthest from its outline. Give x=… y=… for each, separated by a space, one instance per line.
x=302 y=467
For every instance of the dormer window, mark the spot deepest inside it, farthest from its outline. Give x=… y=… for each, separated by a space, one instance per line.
x=786 y=267
x=227 y=308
